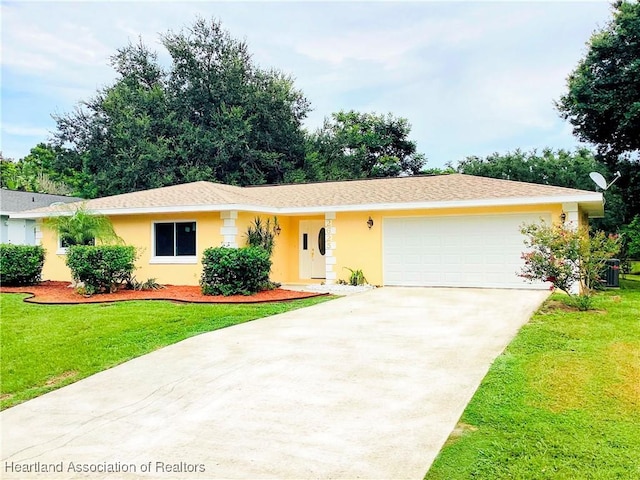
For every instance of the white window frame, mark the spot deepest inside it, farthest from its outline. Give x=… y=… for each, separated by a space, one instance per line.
x=183 y=259
x=63 y=250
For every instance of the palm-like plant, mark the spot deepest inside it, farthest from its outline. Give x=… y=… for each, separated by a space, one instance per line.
x=262 y=234
x=82 y=227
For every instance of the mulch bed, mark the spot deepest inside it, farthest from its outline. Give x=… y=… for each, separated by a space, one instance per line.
x=51 y=292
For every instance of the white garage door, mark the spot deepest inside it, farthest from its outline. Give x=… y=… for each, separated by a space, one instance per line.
x=460 y=251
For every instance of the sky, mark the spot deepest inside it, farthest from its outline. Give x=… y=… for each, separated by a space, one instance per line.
x=472 y=78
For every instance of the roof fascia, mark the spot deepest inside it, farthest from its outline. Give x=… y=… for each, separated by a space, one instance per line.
x=593 y=199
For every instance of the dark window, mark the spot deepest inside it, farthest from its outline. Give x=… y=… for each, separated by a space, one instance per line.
x=164 y=239
x=305 y=241
x=322 y=241
x=186 y=238
x=175 y=239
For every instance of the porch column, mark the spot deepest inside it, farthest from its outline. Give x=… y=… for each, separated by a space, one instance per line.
x=330 y=246
x=571 y=222
x=229 y=230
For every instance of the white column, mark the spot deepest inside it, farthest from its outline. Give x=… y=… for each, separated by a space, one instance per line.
x=229 y=230
x=572 y=222
x=330 y=247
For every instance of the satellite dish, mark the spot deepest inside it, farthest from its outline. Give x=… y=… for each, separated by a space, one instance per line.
x=598 y=180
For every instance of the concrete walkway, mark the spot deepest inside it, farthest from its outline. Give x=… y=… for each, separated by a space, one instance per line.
x=366 y=386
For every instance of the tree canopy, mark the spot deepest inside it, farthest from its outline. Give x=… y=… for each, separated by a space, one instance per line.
x=361 y=145
x=603 y=98
x=561 y=168
x=212 y=115
x=36 y=172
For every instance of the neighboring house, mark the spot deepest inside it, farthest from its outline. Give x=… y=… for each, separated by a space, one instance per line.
x=22 y=231
x=450 y=230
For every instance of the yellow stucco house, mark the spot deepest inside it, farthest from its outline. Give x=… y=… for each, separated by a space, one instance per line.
x=449 y=230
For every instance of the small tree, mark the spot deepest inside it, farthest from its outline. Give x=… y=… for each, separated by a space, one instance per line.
x=83 y=227
x=563 y=256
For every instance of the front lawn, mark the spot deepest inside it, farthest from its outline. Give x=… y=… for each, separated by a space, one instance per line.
x=45 y=347
x=562 y=401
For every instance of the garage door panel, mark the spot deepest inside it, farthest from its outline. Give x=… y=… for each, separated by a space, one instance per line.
x=472 y=251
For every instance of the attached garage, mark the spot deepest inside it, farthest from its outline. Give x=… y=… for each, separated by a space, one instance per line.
x=456 y=251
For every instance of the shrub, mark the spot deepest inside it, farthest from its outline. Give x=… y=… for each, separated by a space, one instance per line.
x=233 y=271
x=101 y=268
x=632 y=238
x=21 y=264
x=148 y=284
x=261 y=234
x=356 y=278
x=563 y=256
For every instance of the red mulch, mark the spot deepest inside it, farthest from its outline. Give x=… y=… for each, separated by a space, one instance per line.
x=51 y=292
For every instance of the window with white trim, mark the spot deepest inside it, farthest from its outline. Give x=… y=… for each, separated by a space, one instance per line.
x=65 y=242
x=174 y=241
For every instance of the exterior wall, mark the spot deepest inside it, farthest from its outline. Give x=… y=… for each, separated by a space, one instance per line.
x=360 y=248
x=54 y=267
x=356 y=246
x=17 y=231
x=4 y=229
x=138 y=231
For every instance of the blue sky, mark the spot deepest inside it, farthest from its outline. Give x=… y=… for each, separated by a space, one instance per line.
x=472 y=78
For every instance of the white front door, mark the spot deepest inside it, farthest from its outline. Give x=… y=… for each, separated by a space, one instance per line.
x=312 y=249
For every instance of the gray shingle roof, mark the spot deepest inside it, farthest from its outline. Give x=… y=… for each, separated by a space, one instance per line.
x=12 y=201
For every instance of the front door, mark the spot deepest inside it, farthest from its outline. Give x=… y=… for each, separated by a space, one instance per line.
x=312 y=249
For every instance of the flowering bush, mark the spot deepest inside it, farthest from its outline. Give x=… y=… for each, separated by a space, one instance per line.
x=563 y=255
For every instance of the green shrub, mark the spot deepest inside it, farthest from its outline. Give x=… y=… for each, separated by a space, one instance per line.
x=101 y=268
x=235 y=271
x=148 y=284
x=21 y=264
x=356 y=278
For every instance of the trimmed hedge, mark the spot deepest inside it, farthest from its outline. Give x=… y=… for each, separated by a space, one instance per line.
x=101 y=268
x=235 y=271
x=21 y=264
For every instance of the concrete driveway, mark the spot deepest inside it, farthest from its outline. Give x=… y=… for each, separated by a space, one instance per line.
x=366 y=386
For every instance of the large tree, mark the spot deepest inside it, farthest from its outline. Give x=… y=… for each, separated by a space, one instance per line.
x=603 y=98
x=37 y=172
x=561 y=168
x=361 y=145
x=212 y=115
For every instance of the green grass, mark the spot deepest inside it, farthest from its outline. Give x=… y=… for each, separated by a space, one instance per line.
x=562 y=401
x=44 y=347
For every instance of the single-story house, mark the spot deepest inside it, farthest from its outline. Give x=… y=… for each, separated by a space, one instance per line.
x=449 y=230
x=22 y=231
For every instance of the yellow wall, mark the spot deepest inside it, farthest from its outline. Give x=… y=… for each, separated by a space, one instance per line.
x=285 y=254
x=136 y=230
x=357 y=246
